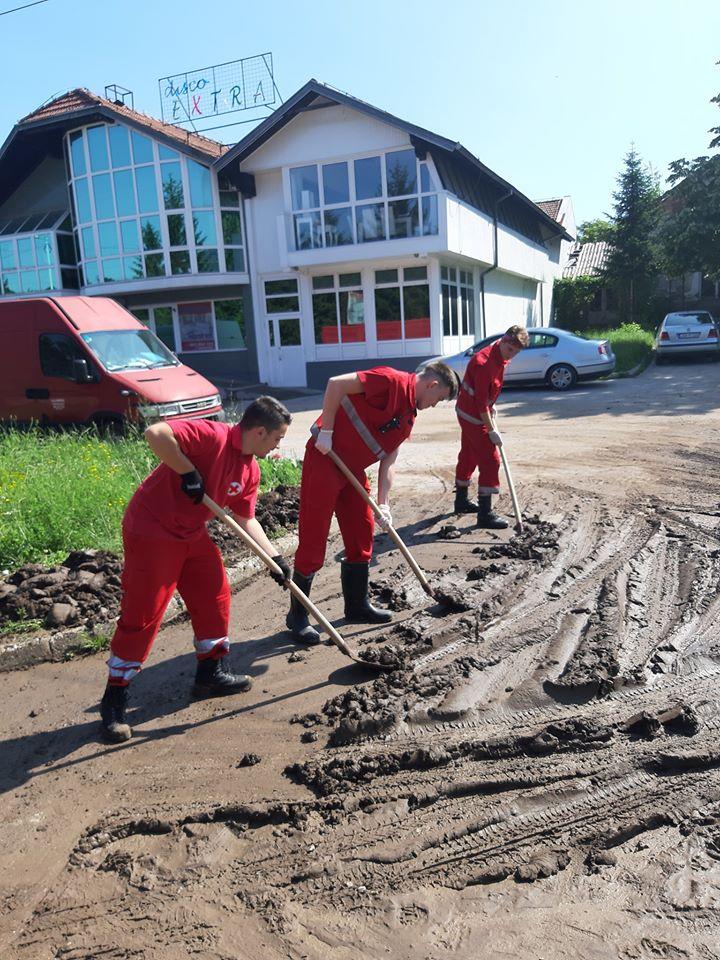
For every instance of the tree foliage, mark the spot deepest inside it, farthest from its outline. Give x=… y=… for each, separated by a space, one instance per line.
x=573 y=297
x=596 y=231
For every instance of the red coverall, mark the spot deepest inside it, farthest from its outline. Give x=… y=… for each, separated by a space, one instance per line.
x=479 y=390
x=167 y=546
x=368 y=426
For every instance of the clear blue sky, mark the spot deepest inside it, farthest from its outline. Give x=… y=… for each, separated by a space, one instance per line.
x=548 y=93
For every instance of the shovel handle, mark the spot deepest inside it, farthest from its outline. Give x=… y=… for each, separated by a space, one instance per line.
x=511 y=488
x=378 y=513
x=223 y=515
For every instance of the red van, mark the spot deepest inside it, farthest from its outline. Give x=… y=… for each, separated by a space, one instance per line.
x=87 y=360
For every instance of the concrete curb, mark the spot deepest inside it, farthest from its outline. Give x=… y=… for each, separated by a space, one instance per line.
x=634 y=371
x=25 y=652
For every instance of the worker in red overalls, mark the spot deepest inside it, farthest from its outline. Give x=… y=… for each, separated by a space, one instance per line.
x=480 y=439
x=365 y=417
x=167 y=546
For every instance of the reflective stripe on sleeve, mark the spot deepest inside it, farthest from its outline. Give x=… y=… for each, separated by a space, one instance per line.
x=367 y=438
x=466 y=416
x=467 y=388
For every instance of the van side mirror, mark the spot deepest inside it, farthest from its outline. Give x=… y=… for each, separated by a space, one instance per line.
x=82 y=372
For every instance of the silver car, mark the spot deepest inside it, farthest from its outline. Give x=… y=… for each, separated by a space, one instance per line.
x=686 y=332
x=554 y=356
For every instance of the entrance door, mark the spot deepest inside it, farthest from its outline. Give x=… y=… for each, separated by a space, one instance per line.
x=287 y=358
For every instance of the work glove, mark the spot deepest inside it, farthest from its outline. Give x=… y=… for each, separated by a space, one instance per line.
x=193 y=485
x=385 y=518
x=285 y=567
x=323 y=441
x=495 y=437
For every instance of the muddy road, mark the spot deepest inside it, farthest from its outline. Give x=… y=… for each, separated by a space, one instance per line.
x=540 y=779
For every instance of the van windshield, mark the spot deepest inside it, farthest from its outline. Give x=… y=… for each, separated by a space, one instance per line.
x=129 y=350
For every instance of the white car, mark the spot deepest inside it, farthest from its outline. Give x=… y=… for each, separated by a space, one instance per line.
x=685 y=332
x=554 y=356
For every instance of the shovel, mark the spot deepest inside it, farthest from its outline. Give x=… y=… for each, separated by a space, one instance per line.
x=223 y=515
x=511 y=487
x=391 y=530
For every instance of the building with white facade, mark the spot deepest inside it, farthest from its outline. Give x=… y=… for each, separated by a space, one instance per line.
x=333 y=237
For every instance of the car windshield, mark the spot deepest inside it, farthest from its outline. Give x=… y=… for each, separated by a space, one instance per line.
x=129 y=350
x=683 y=319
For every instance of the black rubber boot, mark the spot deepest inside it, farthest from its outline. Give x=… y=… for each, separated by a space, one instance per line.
x=487 y=518
x=213 y=680
x=358 y=609
x=115 y=727
x=463 y=503
x=297 y=619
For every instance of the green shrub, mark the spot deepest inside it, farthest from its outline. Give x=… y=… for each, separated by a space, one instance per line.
x=631 y=344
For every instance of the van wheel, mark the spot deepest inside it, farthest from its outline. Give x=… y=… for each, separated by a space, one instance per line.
x=561 y=377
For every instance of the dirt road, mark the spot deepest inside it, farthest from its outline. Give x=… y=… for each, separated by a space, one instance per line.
x=542 y=780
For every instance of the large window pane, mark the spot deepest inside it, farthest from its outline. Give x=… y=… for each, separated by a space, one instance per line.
x=165 y=153
x=141 y=313
x=82 y=201
x=147 y=192
x=387 y=313
x=336 y=188
x=107 y=235
x=429 y=216
x=370 y=221
x=304 y=188
x=92 y=273
x=66 y=248
x=352 y=316
x=200 y=185
x=119 y=146
x=173 y=196
x=97 y=147
x=8 y=260
x=208 y=261
x=124 y=193
x=401 y=173
x=46 y=280
x=10 y=283
x=77 y=154
x=231 y=227
x=280 y=286
x=230 y=324
x=150 y=232
x=196 y=326
x=132 y=268
x=44 y=253
x=368 y=178
x=164 y=325
x=102 y=191
x=142 y=148
x=449 y=310
x=179 y=262
x=325 y=318
x=234 y=260
x=289 y=328
x=176 y=229
x=28 y=281
x=154 y=265
x=129 y=236
x=427 y=182
x=112 y=270
x=338 y=227
x=468 y=311
x=403 y=219
x=416 y=303
x=282 y=305
x=308 y=234
x=25 y=252
x=204 y=228
x=229 y=198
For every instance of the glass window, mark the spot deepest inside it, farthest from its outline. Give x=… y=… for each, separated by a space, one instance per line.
x=201 y=194
x=97 y=148
x=58 y=354
x=370 y=219
x=173 y=196
x=142 y=314
x=229 y=198
x=429 y=216
x=415 y=273
x=92 y=274
x=401 y=173
x=280 y=286
x=163 y=320
x=386 y=276
x=176 y=229
x=154 y=265
x=308 y=235
x=234 y=260
x=46 y=279
x=150 y=231
x=28 y=281
x=25 y=252
x=282 y=305
x=146 y=190
x=44 y=253
x=208 y=261
x=427 y=182
x=352 y=316
x=179 y=261
x=336 y=188
x=195 y=321
x=350 y=279
x=124 y=193
x=322 y=283
x=230 y=324
x=368 y=178
x=325 y=319
x=304 y=188
x=10 y=283
x=107 y=235
x=289 y=328
x=142 y=148
x=387 y=313
x=403 y=218
x=119 y=146
x=338 y=227
x=467 y=305
x=82 y=201
x=165 y=153
x=416 y=304
x=271 y=332
x=66 y=248
x=69 y=279
x=102 y=191
x=77 y=154
x=8 y=260
x=112 y=270
x=231 y=227
x=132 y=268
x=129 y=237
x=204 y=228
x=449 y=311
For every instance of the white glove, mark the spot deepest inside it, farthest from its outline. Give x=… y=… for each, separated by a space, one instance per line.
x=385 y=518
x=323 y=441
x=495 y=437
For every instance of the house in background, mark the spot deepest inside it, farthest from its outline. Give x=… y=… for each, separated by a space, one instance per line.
x=590 y=260
x=332 y=237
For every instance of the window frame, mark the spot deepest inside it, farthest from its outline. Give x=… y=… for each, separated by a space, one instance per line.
x=395 y=347
x=341 y=348
x=174 y=308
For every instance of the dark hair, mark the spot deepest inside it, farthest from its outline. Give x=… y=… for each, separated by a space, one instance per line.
x=265 y=412
x=439 y=370
x=518 y=335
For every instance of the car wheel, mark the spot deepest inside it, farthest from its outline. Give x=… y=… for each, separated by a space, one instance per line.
x=561 y=377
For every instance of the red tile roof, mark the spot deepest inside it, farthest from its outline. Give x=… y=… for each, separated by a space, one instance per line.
x=550 y=207
x=81 y=99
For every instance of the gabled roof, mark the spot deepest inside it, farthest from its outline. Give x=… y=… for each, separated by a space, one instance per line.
x=587 y=259
x=550 y=207
x=315 y=95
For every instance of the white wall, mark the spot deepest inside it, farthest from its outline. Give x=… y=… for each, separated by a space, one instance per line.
x=509 y=300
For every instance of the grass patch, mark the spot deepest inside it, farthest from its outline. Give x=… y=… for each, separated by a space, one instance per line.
x=63 y=491
x=631 y=344
x=23 y=625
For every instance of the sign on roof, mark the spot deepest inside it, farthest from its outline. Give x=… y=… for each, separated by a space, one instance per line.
x=213 y=91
